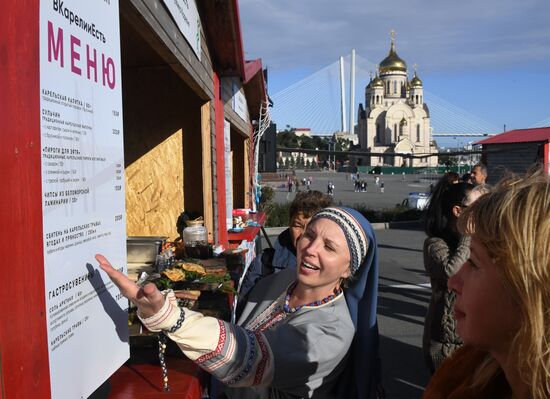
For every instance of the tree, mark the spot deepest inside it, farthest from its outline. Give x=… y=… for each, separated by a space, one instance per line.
x=307 y=143
x=287 y=139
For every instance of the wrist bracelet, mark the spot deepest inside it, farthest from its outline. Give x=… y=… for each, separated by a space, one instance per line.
x=162 y=349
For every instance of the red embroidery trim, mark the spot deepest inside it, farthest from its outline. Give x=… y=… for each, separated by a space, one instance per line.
x=219 y=347
x=265 y=355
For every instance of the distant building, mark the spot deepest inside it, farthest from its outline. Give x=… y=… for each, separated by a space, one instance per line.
x=395 y=118
x=297 y=160
x=267 y=156
x=347 y=136
x=301 y=131
x=516 y=151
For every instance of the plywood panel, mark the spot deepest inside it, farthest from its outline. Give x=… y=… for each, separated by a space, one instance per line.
x=154 y=198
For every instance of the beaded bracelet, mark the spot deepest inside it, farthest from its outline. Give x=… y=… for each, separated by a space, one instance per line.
x=162 y=349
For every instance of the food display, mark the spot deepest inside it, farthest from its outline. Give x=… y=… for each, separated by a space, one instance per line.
x=189 y=279
x=194 y=276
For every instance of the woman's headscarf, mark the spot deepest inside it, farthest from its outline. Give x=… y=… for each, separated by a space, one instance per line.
x=362 y=372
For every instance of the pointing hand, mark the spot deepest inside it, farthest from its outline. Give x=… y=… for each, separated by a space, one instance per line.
x=148 y=299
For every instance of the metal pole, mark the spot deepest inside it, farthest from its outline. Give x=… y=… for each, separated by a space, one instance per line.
x=352 y=94
x=342 y=95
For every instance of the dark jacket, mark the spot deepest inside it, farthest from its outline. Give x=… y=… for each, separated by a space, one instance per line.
x=271 y=260
x=441 y=261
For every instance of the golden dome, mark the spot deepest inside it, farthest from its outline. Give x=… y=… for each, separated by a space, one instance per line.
x=415 y=81
x=377 y=82
x=392 y=62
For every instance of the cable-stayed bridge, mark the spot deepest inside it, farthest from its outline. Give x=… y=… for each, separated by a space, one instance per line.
x=314 y=102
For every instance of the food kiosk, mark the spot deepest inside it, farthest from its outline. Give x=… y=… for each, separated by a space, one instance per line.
x=112 y=125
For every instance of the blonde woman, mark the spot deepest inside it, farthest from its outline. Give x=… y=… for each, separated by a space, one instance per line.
x=502 y=304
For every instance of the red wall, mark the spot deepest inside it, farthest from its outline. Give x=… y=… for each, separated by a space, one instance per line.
x=23 y=344
x=546 y=160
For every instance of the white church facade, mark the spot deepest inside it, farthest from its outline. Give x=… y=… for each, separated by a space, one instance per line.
x=395 y=118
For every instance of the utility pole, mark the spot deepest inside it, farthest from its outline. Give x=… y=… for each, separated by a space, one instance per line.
x=342 y=95
x=352 y=94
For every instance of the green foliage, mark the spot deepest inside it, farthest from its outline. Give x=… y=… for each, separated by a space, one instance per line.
x=287 y=139
x=397 y=214
x=278 y=214
x=266 y=200
x=307 y=143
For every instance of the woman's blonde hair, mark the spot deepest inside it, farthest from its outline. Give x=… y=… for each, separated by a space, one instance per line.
x=513 y=223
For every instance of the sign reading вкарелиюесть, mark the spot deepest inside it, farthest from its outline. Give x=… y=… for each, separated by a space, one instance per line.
x=82 y=192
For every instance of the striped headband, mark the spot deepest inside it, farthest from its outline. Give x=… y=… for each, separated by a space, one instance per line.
x=355 y=235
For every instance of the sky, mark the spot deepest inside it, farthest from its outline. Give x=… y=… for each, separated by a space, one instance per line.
x=490 y=58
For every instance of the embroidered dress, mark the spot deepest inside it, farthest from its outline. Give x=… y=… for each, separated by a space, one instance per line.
x=271 y=353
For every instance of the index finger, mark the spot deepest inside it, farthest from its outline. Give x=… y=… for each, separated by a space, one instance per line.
x=126 y=286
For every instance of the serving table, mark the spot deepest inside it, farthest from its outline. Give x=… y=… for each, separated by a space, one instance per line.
x=141 y=377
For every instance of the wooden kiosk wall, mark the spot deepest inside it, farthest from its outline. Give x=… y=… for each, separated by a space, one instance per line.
x=24 y=367
x=167 y=125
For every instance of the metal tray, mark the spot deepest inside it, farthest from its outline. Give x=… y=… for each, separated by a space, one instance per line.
x=144 y=249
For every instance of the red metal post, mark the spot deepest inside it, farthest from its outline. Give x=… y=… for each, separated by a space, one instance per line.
x=220 y=161
x=23 y=337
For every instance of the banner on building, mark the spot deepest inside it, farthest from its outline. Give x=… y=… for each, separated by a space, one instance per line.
x=187 y=19
x=238 y=100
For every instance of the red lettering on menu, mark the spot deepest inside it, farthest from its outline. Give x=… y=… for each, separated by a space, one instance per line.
x=55 y=45
x=75 y=55
x=56 y=53
x=108 y=66
x=91 y=63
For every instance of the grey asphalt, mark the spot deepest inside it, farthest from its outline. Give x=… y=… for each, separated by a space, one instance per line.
x=402 y=303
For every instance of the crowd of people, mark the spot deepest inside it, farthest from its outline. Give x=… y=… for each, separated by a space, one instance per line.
x=308 y=326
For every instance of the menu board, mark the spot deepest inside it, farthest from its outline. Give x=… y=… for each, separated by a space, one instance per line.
x=82 y=192
x=228 y=173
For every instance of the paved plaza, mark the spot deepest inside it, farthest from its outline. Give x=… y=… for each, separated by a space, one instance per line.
x=395 y=188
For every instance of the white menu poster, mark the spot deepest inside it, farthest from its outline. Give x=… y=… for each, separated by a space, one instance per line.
x=82 y=192
x=228 y=173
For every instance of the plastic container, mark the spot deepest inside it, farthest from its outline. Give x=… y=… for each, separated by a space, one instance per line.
x=195 y=238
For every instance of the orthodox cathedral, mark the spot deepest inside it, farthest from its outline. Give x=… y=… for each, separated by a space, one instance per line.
x=395 y=118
